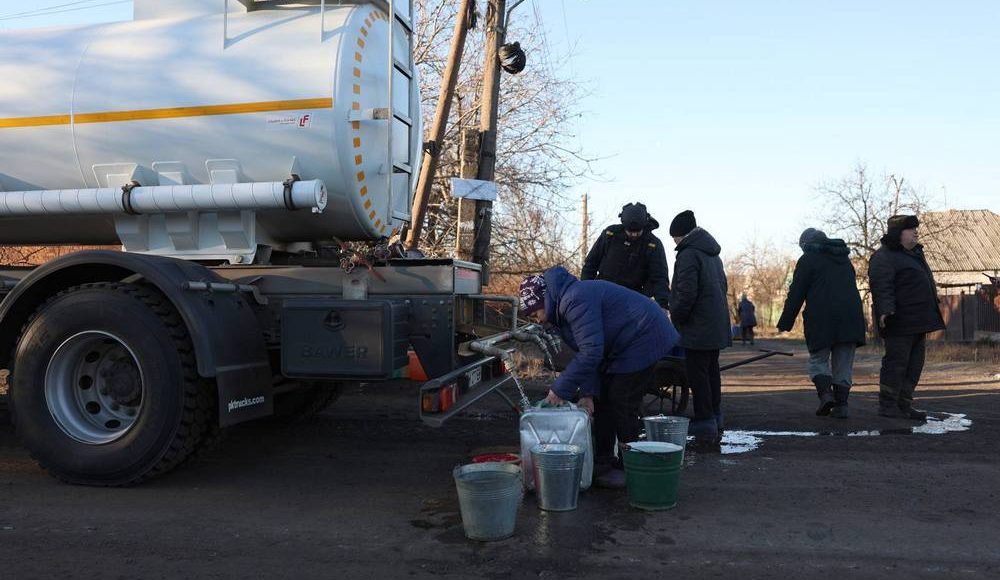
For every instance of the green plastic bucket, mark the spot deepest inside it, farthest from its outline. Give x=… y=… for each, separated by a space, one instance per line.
x=652 y=474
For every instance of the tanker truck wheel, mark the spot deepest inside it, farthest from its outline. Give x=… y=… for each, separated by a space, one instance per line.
x=105 y=389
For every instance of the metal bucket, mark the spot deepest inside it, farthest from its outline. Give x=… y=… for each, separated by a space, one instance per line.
x=557 y=470
x=667 y=428
x=489 y=495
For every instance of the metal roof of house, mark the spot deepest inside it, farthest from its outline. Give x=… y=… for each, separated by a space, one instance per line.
x=962 y=241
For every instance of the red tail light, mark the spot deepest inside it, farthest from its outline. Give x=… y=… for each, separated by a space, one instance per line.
x=448 y=396
x=439 y=401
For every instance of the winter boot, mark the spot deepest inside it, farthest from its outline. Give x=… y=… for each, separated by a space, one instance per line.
x=840 y=393
x=888 y=401
x=704 y=430
x=603 y=465
x=913 y=414
x=720 y=423
x=824 y=388
x=892 y=411
x=611 y=479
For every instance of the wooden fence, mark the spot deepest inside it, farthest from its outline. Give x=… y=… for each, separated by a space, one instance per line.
x=970 y=317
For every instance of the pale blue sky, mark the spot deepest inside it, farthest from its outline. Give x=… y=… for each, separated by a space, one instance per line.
x=737 y=109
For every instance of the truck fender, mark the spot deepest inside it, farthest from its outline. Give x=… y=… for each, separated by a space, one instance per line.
x=228 y=342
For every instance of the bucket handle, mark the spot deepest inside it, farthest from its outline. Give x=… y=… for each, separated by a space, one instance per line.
x=657 y=455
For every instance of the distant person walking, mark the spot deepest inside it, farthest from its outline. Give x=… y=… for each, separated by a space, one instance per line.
x=748 y=319
x=699 y=309
x=629 y=255
x=906 y=309
x=826 y=282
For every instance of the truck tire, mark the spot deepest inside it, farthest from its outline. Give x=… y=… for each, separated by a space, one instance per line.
x=105 y=389
x=305 y=403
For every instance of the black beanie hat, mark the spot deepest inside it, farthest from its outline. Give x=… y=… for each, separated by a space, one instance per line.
x=898 y=223
x=683 y=223
x=634 y=217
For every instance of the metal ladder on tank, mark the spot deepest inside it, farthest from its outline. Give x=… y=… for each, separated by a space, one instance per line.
x=401 y=23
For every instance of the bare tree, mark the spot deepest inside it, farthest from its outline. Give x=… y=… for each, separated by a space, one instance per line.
x=856 y=208
x=19 y=255
x=762 y=272
x=738 y=282
x=26 y=256
x=537 y=159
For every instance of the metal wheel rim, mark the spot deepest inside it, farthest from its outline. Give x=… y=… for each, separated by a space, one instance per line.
x=94 y=387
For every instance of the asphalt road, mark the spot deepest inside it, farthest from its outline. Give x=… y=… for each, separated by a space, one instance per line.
x=365 y=491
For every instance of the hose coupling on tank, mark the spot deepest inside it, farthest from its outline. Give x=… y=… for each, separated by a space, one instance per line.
x=288 y=184
x=127 y=197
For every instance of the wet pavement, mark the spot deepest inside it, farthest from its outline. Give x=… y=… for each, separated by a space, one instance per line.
x=742 y=441
x=365 y=491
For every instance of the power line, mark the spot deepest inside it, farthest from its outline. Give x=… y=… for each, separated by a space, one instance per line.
x=59 y=9
x=37 y=10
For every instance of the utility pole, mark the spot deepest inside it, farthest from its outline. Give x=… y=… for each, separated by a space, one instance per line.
x=465 y=237
x=432 y=148
x=495 y=34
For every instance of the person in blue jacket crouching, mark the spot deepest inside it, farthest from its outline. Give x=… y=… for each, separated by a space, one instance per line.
x=618 y=336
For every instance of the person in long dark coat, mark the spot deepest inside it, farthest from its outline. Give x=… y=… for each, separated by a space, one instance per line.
x=699 y=309
x=906 y=309
x=748 y=319
x=630 y=255
x=618 y=336
x=826 y=282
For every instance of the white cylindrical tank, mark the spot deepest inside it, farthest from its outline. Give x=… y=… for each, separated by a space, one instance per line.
x=194 y=97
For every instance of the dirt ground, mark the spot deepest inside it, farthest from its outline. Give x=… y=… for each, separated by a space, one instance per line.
x=365 y=491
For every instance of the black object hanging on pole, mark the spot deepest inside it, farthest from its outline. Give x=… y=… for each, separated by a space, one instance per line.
x=512 y=58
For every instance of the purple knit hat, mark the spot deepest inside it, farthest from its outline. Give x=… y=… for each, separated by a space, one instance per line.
x=532 y=294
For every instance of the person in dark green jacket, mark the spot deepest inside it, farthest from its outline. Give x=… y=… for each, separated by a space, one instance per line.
x=826 y=282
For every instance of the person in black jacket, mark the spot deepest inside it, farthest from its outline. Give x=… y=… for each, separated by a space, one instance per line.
x=906 y=309
x=630 y=255
x=834 y=321
x=747 y=319
x=699 y=310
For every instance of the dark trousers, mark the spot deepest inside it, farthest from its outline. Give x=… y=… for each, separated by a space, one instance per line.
x=616 y=412
x=746 y=333
x=705 y=381
x=901 y=367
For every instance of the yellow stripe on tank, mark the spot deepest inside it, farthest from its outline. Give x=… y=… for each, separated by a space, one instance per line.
x=167 y=113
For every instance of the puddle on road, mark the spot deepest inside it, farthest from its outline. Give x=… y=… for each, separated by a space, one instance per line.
x=952 y=423
x=736 y=441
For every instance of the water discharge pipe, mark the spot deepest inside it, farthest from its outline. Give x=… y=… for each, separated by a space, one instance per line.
x=530 y=333
x=306 y=195
x=504 y=355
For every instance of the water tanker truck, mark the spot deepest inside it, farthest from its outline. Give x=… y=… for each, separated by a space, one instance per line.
x=251 y=163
